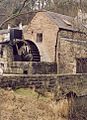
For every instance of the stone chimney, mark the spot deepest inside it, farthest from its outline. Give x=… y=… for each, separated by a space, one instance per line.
x=9 y=27
x=79 y=19
x=80 y=13
x=7 y=35
x=20 y=26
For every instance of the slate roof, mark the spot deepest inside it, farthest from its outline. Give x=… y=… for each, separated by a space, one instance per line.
x=62 y=21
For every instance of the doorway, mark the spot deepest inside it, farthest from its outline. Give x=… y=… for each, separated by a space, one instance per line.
x=81 y=65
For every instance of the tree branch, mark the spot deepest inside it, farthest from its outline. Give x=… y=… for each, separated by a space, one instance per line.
x=23 y=5
x=14 y=15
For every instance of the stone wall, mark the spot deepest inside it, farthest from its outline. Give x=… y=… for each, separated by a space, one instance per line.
x=31 y=68
x=42 y=24
x=77 y=107
x=62 y=83
x=7 y=56
x=70 y=45
x=69 y=49
x=73 y=35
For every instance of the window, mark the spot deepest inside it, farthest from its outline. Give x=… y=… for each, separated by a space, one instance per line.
x=39 y=37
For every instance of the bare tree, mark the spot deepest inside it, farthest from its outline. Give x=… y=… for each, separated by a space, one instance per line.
x=11 y=9
x=13 y=12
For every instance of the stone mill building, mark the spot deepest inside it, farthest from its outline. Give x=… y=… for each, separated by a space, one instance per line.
x=53 y=42
x=59 y=40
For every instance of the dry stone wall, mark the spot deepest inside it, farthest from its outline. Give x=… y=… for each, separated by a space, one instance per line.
x=62 y=83
x=31 y=68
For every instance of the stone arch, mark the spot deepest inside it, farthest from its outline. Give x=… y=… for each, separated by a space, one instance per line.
x=71 y=94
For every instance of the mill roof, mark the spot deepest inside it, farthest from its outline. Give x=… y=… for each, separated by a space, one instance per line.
x=62 y=21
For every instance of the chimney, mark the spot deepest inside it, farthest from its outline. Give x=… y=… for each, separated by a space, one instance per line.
x=80 y=13
x=20 y=26
x=80 y=16
x=9 y=27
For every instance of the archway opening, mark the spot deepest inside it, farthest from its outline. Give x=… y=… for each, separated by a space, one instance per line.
x=71 y=94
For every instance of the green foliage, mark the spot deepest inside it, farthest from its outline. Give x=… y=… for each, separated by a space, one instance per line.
x=26 y=92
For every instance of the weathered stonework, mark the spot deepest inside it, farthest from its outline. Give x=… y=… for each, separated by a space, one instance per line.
x=31 y=68
x=62 y=45
x=7 y=56
x=42 y=24
x=69 y=51
x=62 y=83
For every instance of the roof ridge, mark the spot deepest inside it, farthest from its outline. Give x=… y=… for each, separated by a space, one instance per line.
x=58 y=14
x=62 y=21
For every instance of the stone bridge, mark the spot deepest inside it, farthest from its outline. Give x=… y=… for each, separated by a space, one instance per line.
x=66 y=83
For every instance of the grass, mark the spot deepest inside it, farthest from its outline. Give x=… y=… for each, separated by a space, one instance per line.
x=26 y=92
x=30 y=93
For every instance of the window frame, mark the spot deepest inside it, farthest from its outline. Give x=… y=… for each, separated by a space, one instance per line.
x=39 y=37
